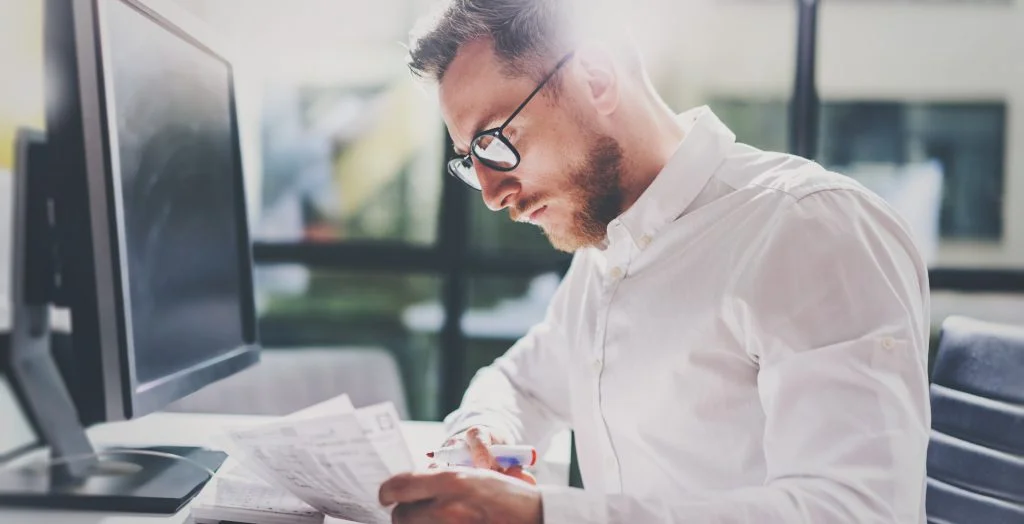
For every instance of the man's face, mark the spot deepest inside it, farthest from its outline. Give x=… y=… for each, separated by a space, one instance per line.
x=568 y=181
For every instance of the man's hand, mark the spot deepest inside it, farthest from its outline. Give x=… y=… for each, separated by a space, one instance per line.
x=478 y=438
x=461 y=496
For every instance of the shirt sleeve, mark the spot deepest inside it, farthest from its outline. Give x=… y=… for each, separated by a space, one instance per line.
x=833 y=307
x=523 y=396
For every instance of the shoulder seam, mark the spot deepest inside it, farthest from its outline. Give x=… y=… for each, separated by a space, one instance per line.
x=800 y=195
x=828 y=189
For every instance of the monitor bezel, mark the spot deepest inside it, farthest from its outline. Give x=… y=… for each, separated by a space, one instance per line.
x=124 y=396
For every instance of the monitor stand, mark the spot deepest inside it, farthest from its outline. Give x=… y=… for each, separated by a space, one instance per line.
x=121 y=480
x=76 y=476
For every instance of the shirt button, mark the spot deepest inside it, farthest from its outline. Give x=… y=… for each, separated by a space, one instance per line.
x=645 y=241
x=615 y=273
x=598 y=364
x=888 y=343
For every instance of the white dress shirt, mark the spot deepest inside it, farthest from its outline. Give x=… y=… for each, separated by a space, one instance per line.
x=748 y=346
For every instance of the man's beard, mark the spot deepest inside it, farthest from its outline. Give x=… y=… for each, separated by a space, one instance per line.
x=595 y=190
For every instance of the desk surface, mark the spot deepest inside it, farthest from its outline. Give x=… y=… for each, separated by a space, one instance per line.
x=185 y=429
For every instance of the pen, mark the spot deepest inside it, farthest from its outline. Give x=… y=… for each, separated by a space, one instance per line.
x=506 y=455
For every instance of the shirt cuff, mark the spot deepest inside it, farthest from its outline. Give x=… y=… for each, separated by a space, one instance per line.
x=458 y=422
x=562 y=504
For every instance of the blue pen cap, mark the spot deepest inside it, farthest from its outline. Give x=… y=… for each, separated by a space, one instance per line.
x=507 y=462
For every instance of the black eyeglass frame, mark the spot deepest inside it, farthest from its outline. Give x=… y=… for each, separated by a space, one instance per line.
x=498 y=133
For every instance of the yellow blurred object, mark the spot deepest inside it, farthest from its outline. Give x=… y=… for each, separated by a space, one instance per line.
x=22 y=97
x=397 y=134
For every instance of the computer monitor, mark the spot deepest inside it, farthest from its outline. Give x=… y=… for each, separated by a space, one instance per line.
x=133 y=217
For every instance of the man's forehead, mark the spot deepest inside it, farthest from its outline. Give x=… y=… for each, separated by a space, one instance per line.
x=474 y=92
x=468 y=114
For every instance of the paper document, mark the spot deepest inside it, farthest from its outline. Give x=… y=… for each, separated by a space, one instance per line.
x=247 y=501
x=329 y=457
x=380 y=422
x=340 y=405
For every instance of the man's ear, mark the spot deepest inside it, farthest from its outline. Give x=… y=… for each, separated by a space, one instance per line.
x=601 y=76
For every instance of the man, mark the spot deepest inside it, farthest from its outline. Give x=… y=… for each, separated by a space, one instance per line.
x=741 y=337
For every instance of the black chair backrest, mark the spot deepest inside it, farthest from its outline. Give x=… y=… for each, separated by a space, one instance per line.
x=976 y=451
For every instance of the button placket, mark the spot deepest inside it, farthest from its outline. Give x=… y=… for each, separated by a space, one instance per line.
x=620 y=252
x=613 y=482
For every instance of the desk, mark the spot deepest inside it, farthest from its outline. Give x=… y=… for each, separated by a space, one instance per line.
x=186 y=429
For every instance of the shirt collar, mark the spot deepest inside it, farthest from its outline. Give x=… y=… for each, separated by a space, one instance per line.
x=703 y=148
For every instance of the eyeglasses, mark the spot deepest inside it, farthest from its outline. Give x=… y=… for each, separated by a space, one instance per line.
x=491 y=147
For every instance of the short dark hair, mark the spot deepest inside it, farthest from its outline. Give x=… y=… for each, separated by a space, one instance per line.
x=526 y=34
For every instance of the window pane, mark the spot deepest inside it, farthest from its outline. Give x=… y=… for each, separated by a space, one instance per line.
x=299 y=307
x=925 y=120
x=501 y=310
x=763 y=124
x=346 y=162
x=940 y=164
x=346 y=145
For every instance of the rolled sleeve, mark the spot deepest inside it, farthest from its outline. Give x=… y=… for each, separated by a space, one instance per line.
x=563 y=504
x=524 y=395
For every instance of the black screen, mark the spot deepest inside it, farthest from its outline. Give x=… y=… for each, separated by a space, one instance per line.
x=175 y=142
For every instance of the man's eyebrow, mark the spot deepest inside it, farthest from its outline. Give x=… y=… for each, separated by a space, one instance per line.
x=486 y=121
x=479 y=128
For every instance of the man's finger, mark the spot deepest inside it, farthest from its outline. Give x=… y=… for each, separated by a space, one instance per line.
x=461 y=436
x=413 y=513
x=521 y=474
x=414 y=487
x=482 y=457
x=487 y=436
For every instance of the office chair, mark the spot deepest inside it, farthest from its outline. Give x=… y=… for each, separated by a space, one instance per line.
x=976 y=450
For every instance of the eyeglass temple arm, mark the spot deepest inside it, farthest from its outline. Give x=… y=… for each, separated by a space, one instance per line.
x=537 y=89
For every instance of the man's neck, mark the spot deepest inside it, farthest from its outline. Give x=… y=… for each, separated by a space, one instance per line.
x=654 y=136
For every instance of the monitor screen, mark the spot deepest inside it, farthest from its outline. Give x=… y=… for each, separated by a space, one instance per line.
x=174 y=149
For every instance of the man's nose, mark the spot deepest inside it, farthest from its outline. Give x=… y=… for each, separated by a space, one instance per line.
x=499 y=188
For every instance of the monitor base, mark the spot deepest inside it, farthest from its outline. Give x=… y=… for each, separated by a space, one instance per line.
x=118 y=482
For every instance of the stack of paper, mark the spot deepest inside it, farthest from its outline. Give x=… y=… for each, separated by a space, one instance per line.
x=326 y=460
x=228 y=498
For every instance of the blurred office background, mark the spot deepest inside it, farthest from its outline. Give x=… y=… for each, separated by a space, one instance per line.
x=363 y=242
